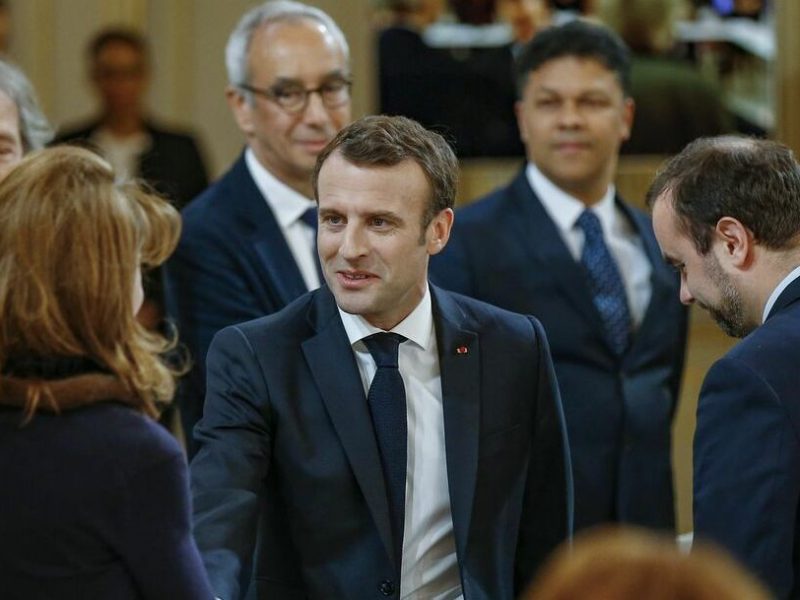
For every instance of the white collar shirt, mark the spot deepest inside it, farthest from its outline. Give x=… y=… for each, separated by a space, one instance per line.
x=794 y=274
x=430 y=567
x=288 y=206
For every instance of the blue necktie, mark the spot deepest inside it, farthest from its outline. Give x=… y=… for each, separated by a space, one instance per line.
x=309 y=217
x=387 y=406
x=605 y=283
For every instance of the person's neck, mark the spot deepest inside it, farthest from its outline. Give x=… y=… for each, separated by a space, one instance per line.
x=124 y=125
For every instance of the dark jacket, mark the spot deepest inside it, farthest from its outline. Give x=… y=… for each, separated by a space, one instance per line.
x=95 y=501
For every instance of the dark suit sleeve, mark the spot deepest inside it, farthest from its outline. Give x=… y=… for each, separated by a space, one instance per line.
x=547 y=513
x=231 y=466
x=746 y=465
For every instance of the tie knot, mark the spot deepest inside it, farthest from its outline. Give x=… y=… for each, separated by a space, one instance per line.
x=590 y=224
x=384 y=348
x=309 y=217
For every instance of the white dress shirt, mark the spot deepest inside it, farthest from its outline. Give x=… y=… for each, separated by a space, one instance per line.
x=794 y=274
x=619 y=234
x=430 y=568
x=288 y=207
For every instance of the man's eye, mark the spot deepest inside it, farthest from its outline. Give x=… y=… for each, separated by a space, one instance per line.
x=287 y=93
x=332 y=219
x=333 y=87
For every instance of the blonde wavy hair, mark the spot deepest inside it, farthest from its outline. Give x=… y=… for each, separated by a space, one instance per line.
x=70 y=244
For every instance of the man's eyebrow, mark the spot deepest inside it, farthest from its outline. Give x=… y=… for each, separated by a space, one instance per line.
x=337 y=74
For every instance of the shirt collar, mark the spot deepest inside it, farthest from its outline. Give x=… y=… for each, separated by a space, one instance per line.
x=776 y=293
x=287 y=204
x=565 y=209
x=417 y=326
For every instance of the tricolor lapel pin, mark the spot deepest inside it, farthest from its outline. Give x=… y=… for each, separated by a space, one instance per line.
x=462 y=350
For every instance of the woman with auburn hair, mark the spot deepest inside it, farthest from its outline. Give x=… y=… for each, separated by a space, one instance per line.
x=95 y=500
x=626 y=563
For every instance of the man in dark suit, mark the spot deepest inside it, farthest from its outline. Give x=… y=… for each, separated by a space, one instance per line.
x=558 y=244
x=381 y=437
x=726 y=213
x=247 y=247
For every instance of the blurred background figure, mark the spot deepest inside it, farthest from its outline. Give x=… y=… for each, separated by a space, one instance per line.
x=124 y=132
x=23 y=126
x=675 y=104
x=629 y=564
x=134 y=144
x=456 y=78
x=95 y=499
x=525 y=17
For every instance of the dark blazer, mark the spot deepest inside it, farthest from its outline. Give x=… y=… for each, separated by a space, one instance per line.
x=173 y=164
x=95 y=504
x=232 y=264
x=747 y=453
x=506 y=250
x=288 y=467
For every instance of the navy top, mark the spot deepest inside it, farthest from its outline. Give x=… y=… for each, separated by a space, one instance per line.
x=95 y=504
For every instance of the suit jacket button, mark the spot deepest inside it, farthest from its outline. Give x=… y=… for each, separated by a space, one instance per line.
x=386 y=588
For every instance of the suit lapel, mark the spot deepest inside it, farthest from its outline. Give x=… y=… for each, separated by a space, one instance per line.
x=543 y=241
x=339 y=384
x=459 y=362
x=267 y=240
x=662 y=283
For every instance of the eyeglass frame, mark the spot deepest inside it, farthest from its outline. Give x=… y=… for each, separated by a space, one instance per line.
x=271 y=95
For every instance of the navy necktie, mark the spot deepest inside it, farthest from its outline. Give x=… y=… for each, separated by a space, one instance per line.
x=605 y=283
x=387 y=406
x=309 y=217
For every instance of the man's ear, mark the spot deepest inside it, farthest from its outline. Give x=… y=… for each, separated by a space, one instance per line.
x=241 y=109
x=521 y=125
x=735 y=242
x=439 y=231
x=628 y=112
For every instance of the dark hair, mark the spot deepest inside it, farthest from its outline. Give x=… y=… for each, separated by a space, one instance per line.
x=114 y=35
x=387 y=141
x=580 y=39
x=754 y=181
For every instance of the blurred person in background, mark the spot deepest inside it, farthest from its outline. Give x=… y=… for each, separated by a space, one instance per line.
x=630 y=564
x=23 y=126
x=95 y=499
x=124 y=132
x=675 y=104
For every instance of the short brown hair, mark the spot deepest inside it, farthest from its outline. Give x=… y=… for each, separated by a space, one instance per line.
x=626 y=563
x=752 y=180
x=383 y=141
x=70 y=243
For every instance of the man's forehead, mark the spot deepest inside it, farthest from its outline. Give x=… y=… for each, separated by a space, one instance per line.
x=596 y=69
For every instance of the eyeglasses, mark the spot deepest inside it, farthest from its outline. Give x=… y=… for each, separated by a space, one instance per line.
x=294 y=99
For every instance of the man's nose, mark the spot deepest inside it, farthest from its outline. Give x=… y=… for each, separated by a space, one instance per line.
x=685 y=295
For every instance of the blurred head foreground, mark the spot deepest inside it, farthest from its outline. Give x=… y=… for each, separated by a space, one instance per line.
x=612 y=563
